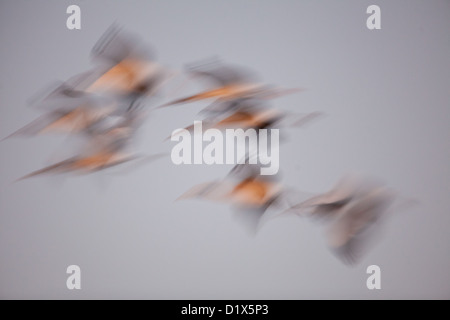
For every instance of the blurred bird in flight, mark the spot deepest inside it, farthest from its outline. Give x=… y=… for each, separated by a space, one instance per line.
x=106 y=146
x=229 y=83
x=352 y=210
x=244 y=188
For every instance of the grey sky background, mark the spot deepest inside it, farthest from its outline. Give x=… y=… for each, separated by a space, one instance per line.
x=386 y=97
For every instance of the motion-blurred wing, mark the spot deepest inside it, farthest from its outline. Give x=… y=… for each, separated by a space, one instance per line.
x=222 y=75
x=59 y=167
x=347 y=235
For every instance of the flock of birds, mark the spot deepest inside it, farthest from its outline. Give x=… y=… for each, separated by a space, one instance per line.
x=106 y=105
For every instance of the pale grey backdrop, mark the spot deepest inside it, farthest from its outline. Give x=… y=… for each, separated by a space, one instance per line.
x=386 y=95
